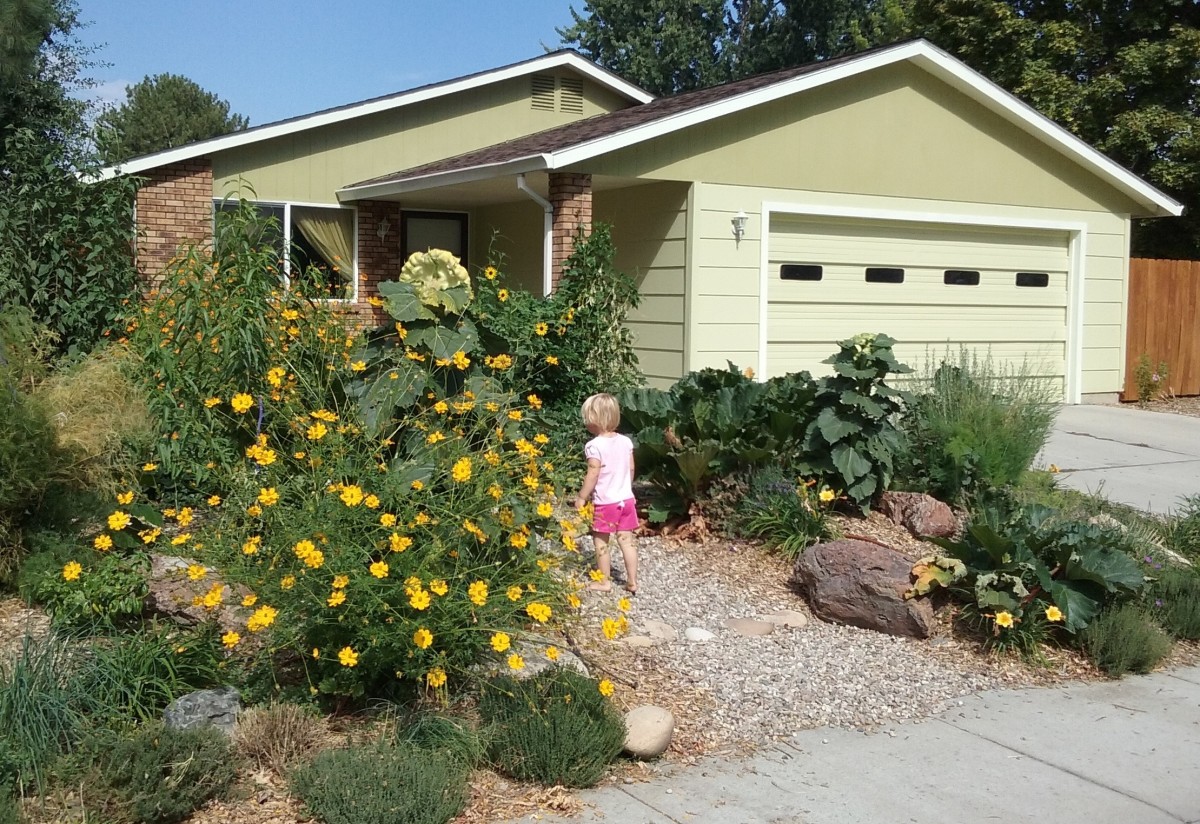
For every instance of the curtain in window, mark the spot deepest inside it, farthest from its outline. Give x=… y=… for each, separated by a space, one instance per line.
x=330 y=232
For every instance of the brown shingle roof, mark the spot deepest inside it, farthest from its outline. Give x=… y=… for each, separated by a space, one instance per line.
x=603 y=125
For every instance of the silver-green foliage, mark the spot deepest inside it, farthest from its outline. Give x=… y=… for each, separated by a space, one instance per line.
x=1125 y=639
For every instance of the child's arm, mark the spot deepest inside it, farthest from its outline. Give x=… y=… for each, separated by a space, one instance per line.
x=589 y=483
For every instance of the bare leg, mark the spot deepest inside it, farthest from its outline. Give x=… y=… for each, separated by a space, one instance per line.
x=603 y=563
x=629 y=555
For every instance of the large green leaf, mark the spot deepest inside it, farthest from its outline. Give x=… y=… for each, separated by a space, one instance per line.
x=402 y=303
x=440 y=341
x=455 y=300
x=1078 y=600
x=694 y=463
x=1109 y=568
x=398 y=387
x=849 y=462
x=834 y=428
x=852 y=398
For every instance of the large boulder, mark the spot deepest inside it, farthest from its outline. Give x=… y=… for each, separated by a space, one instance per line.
x=862 y=584
x=218 y=708
x=172 y=594
x=648 y=731
x=922 y=515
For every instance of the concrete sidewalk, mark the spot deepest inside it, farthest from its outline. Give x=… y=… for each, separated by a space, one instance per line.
x=1125 y=752
x=1144 y=459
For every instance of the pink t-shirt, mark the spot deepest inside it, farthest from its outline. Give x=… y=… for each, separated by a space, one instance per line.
x=615 y=454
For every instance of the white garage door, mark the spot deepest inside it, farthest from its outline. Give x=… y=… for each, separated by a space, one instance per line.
x=929 y=286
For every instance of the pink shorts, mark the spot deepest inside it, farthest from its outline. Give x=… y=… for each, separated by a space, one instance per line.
x=620 y=517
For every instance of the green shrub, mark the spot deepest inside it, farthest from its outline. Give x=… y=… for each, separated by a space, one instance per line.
x=160 y=775
x=790 y=516
x=974 y=424
x=1151 y=381
x=28 y=457
x=1125 y=639
x=1183 y=528
x=554 y=728
x=108 y=591
x=10 y=811
x=443 y=734
x=382 y=784
x=1175 y=599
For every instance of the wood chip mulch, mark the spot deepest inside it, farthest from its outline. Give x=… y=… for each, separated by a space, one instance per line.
x=1178 y=406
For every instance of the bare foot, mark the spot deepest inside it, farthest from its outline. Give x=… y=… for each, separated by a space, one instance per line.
x=631 y=589
x=597 y=586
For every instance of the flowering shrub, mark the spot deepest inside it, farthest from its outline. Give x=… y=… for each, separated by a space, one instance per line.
x=1151 y=380
x=790 y=515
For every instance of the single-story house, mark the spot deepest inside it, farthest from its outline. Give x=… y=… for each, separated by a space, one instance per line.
x=895 y=191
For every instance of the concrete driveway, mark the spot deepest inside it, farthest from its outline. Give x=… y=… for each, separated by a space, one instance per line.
x=1144 y=459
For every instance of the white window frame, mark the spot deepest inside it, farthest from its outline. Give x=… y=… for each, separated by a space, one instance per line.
x=287 y=205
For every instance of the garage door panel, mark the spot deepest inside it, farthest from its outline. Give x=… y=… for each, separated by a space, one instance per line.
x=1043 y=361
x=845 y=325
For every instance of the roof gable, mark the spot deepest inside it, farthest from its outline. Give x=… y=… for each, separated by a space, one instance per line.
x=559 y=59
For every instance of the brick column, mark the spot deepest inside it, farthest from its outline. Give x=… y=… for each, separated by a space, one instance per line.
x=571 y=196
x=378 y=257
x=174 y=209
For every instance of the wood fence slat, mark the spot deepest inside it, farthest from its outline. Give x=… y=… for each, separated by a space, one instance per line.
x=1164 y=322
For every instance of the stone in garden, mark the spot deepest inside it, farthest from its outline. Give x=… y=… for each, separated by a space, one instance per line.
x=638 y=641
x=648 y=731
x=863 y=585
x=171 y=593
x=749 y=626
x=698 y=635
x=218 y=708
x=922 y=515
x=533 y=653
x=788 y=619
x=660 y=631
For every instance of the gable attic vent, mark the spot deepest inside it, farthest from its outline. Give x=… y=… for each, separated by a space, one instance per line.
x=570 y=95
x=542 y=92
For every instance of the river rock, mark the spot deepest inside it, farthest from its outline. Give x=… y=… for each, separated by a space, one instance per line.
x=922 y=515
x=660 y=631
x=638 y=641
x=863 y=585
x=648 y=731
x=749 y=626
x=698 y=635
x=218 y=708
x=788 y=619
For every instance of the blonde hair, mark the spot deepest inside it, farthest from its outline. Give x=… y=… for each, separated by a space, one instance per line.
x=602 y=411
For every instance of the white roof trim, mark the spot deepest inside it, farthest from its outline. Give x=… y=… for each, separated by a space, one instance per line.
x=485 y=171
x=921 y=53
x=291 y=126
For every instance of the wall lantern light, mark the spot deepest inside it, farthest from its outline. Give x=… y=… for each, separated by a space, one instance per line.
x=739 y=225
x=382 y=230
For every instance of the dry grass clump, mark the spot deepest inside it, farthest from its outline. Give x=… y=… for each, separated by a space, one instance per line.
x=100 y=418
x=276 y=736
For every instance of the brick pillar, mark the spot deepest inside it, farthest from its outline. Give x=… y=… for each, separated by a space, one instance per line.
x=571 y=196
x=378 y=257
x=174 y=209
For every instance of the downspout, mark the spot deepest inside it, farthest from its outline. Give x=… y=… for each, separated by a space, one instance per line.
x=547 y=231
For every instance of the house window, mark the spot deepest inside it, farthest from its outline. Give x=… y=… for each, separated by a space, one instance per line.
x=1036 y=280
x=960 y=277
x=315 y=244
x=800 y=271
x=422 y=231
x=884 y=274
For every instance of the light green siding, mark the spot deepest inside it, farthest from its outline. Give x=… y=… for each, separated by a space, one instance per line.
x=650 y=234
x=513 y=232
x=726 y=274
x=311 y=165
x=894 y=132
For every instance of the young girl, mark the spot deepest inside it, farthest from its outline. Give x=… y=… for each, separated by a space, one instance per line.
x=609 y=483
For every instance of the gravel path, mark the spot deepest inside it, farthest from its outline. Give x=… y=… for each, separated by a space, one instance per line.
x=769 y=686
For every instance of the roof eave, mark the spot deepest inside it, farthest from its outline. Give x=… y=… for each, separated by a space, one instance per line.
x=437 y=180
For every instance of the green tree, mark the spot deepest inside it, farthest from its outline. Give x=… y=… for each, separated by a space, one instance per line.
x=162 y=112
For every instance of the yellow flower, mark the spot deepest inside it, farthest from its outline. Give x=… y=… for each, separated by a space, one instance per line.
x=534 y=401
x=118 y=521
x=181 y=539
x=316 y=653
x=287 y=582
x=518 y=540
x=436 y=677
x=499 y=362
x=103 y=543
x=438 y=587
x=125 y=498
x=241 y=402
x=230 y=639
x=347 y=657
x=358 y=366
x=596 y=575
x=552 y=653
x=478 y=593
x=495 y=491
x=542 y=439
x=387 y=519
x=552 y=360
x=399 y=543
x=541 y=329
x=516 y=662
x=275 y=376
x=460 y=360
x=341 y=581
x=371 y=502
x=434 y=437
x=515 y=415
x=490 y=273
x=317 y=431
x=262 y=618
x=573 y=601
x=422 y=638
x=351 y=495
x=502 y=295
x=623 y=604
x=254 y=510
x=545 y=510
x=195 y=572
x=462 y=470
x=212 y=599
x=1004 y=619
x=379 y=569
x=538 y=611
x=184 y=518
x=214 y=500
x=610 y=628
x=826 y=496
x=336 y=598
x=252 y=544
x=418 y=485
x=419 y=600
x=267 y=496
x=72 y=571
x=149 y=467
x=323 y=415
x=1053 y=613
x=500 y=641
x=314 y=559
x=250 y=600
x=606 y=688
x=514 y=593
x=209 y=403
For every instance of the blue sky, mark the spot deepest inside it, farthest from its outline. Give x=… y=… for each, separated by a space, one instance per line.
x=272 y=59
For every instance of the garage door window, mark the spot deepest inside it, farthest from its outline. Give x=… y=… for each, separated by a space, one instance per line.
x=800 y=271
x=884 y=274
x=960 y=277
x=1038 y=280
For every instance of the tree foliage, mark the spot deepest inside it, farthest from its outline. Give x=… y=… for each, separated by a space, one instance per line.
x=162 y=112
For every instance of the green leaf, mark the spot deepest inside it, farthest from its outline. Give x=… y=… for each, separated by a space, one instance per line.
x=849 y=463
x=1078 y=602
x=387 y=394
x=833 y=428
x=146 y=514
x=402 y=303
x=1109 y=568
x=440 y=341
x=455 y=300
x=872 y=408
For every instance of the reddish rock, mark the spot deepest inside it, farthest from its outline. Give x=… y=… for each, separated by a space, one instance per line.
x=863 y=585
x=922 y=515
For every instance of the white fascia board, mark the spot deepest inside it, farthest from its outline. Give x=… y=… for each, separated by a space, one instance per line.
x=267 y=132
x=521 y=165
x=933 y=60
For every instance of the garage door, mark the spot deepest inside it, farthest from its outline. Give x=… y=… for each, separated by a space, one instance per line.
x=929 y=286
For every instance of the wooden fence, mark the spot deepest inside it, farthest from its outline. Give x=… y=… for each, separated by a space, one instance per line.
x=1164 y=322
